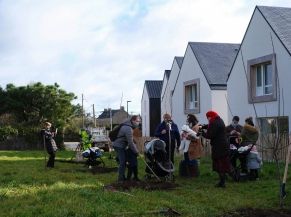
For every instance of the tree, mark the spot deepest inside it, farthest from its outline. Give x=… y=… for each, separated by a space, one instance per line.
x=35 y=103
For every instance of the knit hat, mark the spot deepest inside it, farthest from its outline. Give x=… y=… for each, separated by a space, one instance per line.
x=211 y=114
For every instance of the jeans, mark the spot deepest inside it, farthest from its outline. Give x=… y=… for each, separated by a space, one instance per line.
x=122 y=163
x=51 y=160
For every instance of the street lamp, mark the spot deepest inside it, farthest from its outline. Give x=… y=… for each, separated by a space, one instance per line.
x=127 y=107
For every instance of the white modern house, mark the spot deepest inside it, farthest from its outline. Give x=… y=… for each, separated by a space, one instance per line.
x=259 y=81
x=151 y=106
x=169 y=82
x=201 y=82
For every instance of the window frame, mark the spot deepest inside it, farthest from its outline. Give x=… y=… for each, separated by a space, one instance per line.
x=252 y=79
x=187 y=84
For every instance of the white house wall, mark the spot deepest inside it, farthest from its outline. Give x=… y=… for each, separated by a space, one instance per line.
x=166 y=101
x=190 y=70
x=163 y=99
x=257 y=43
x=145 y=115
x=219 y=103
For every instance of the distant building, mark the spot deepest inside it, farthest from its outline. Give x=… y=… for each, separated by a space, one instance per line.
x=118 y=116
x=151 y=107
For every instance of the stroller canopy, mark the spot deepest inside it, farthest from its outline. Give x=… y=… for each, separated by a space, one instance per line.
x=155 y=144
x=92 y=152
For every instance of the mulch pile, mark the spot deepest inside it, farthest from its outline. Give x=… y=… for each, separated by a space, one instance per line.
x=148 y=186
x=250 y=212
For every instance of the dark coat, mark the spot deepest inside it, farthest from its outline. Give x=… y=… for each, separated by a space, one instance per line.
x=217 y=135
x=174 y=133
x=47 y=139
x=229 y=128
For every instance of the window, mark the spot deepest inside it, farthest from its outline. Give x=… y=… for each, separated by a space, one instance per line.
x=262 y=82
x=191 y=96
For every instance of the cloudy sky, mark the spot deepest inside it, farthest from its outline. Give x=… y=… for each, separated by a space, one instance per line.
x=106 y=49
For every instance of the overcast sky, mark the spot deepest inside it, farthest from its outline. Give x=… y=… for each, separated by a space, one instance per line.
x=106 y=49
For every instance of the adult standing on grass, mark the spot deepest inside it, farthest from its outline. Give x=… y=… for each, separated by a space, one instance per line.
x=195 y=147
x=125 y=140
x=169 y=133
x=49 y=143
x=233 y=132
x=219 y=146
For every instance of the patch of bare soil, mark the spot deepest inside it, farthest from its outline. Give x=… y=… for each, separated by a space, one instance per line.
x=250 y=212
x=96 y=170
x=148 y=186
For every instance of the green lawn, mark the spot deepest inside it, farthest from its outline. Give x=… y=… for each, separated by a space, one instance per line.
x=28 y=189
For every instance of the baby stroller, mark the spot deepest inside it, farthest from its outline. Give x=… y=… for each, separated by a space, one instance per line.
x=93 y=154
x=239 y=152
x=158 y=163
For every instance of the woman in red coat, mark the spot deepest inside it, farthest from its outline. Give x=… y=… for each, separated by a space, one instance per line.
x=219 y=147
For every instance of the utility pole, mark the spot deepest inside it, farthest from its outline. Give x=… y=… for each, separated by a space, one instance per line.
x=83 y=112
x=110 y=113
x=94 y=116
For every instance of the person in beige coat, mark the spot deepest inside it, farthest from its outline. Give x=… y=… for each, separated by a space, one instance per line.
x=195 y=146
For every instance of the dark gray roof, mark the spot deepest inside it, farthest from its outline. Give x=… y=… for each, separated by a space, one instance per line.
x=106 y=113
x=179 y=61
x=154 y=88
x=215 y=60
x=279 y=19
x=168 y=72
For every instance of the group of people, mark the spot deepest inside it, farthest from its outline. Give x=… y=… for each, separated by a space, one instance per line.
x=227 y=142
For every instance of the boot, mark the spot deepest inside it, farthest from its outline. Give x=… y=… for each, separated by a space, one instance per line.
x=221 y=183
x=129 y=173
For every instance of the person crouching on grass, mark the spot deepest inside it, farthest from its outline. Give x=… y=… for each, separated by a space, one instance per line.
x=219 y=147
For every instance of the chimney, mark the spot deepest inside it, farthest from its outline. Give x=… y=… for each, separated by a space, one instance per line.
x=122 y=108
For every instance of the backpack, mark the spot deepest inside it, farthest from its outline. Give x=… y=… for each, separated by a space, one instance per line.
x=113 y=133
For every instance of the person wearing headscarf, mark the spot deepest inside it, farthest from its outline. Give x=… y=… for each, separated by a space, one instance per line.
x=168 y=132
x=219 y=147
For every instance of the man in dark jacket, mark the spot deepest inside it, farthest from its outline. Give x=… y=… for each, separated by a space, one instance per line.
x=49 y=143
x=233 y=132
x=219 y=146
x=123 y=142
x=169 y=133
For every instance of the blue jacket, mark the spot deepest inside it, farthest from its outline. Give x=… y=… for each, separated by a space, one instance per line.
x=254 y=160
x=175 y=134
